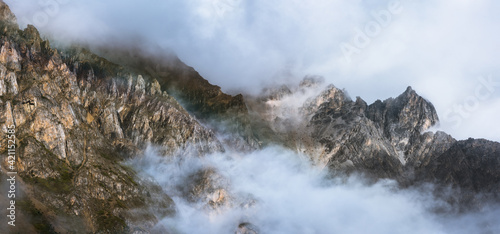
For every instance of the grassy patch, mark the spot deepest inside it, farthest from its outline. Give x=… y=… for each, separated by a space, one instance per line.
x=53 y=185
x=61 y=184
x=109 y=222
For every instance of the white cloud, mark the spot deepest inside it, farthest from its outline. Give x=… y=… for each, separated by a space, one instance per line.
x=437 y=47
x=291 y=196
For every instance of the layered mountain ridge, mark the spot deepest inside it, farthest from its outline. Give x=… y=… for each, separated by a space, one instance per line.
x=79 y=117
x=76 y=120
x=386 y=139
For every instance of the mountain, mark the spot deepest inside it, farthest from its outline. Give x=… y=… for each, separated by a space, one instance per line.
x=76 y=117
x=80 y=118
x=223 y=112
x=386 y=139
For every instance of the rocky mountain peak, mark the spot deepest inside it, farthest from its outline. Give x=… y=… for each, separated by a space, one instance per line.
x=402 y=120
x=79 y=117
x=409 y=112
x=311 y=81
x=31 y=33
x=409 y=90
x=332 y=97
x=384 y=133
x=6 y=14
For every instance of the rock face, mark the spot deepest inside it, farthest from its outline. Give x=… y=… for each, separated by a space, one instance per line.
x=224 y=113
x=471 y=164
x=201 y=98
x=206 y=186
x=77 y=117
x=386 y=139
x=403 y=118
x=132 y=111
x=6 y=15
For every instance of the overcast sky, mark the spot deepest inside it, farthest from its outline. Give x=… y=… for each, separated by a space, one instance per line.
x=448 y=51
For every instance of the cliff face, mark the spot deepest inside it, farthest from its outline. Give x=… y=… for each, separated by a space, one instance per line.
x=386 y=139
x=203 y=99
x=470 y=164
x=77 y=117
x=224 y=113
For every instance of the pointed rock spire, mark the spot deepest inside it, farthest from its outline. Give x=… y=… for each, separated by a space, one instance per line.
x=6 y=14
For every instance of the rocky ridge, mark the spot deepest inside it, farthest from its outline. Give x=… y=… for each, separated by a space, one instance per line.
x=386 y=139
x=77 y=117
x=226 y=114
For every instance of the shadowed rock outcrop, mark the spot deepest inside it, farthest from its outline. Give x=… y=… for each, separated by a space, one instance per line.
x=227 y=114
x=386 y=139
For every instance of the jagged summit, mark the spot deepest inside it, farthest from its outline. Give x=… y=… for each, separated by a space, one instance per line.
x=409 y=89
x=409 y=110
x=311 y=81
x=408 y=94
x=79 y=116
x=384 y=139
x=6 y=15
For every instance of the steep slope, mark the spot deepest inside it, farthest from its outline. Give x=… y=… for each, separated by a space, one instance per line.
x=77 y=117
x=386 y=139
x=470 y=164
x=225 y=113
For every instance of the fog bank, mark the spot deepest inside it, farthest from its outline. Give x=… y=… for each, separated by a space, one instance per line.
x=291 y=196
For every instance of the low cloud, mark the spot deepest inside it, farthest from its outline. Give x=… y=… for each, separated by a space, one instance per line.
x=439 y=48
x=291 y=196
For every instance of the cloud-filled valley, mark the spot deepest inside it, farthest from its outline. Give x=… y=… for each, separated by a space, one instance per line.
x=279 y=191
x=124 y=137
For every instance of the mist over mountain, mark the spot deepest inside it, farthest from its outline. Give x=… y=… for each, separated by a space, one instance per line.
x=442 y=49
x=121 y=136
